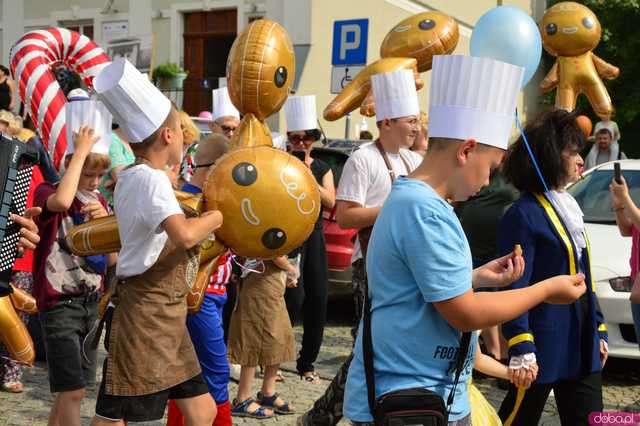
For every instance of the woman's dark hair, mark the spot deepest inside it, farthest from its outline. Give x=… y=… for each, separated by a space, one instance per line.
x=5 y=70
x=549 y=134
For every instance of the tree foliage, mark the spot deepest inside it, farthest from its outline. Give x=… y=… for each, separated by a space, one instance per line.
x=620 y=46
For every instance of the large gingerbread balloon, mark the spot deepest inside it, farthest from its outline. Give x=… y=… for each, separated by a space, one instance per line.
x=31 y=60
x=570 y=31
x=13 y=333
x=411 y=44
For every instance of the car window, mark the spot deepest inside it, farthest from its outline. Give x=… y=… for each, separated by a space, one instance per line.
x=592 y=194
x=335 y=160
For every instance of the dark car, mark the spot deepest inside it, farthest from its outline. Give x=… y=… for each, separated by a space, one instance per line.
x=339 y=242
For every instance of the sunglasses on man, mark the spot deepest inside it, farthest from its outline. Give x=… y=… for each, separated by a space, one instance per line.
x=309 y=136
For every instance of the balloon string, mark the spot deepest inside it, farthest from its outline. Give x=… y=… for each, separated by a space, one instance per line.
x=533 y=157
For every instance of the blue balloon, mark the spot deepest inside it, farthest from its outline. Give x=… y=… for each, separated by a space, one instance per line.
x=508 y=34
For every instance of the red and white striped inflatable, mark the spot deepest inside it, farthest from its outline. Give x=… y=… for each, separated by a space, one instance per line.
x=31 y=60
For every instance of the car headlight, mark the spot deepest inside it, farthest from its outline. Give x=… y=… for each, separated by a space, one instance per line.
x=621 y=284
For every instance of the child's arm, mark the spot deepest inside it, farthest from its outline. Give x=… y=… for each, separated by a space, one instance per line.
x=186 y=233
x=62 y=199
x=474 y=311
x=489 y=366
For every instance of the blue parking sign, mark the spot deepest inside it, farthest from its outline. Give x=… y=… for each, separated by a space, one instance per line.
x=350 y=42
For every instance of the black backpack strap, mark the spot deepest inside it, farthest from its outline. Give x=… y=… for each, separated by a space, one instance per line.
x=367 y=351
x=465 y=341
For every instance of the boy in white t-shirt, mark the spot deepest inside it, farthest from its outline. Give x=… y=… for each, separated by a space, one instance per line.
x=151 y=358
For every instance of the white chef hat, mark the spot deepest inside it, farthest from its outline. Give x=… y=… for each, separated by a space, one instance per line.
x=300 y=112
x=395 y=94
x=222 y=105
x=137 y=105
x=279 y=141
x=473 y=98
x=85 y=112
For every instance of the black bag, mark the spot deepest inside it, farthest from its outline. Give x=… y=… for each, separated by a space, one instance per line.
x=415 y=406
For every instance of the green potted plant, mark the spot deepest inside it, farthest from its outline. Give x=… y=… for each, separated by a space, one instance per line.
x=169 y=76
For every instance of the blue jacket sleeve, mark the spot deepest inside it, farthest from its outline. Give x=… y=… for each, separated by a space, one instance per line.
x=516 y=229
x=600 y=321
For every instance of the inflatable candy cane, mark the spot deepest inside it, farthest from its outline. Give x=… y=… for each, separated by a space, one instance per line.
x=31 y=60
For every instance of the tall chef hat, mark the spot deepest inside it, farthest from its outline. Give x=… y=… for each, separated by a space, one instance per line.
x=136 y=104
x=81 y=111
x=222 y=106
x=395 y=94
x=301 y=113
x=473 y=98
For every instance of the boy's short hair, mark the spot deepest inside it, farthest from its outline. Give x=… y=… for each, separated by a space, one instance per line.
x=94 y=160
x=604 y=131
x=440 y=144
x=549 y=134
x=211 y=148
x=153 y=137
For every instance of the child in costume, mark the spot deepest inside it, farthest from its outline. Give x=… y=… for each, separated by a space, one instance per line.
x=567 y=342
x=151 y=358
x=205 y=326
x=260 y=333
x=67 y=287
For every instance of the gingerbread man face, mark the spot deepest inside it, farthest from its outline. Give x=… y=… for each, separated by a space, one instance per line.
x=569 y=29
x=421 y=37
x=269 y=200
x=261 y=69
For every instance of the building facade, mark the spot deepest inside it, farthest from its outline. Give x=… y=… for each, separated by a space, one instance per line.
x=198 y=34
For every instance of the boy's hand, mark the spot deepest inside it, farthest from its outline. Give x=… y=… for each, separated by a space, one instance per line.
x=499 y=272
x=84 y=139
x=564 y=289
x=93 y=210
x=217 y=214
x=29 y=237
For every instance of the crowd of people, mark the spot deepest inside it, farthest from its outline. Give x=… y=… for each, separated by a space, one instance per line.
x=457 y=232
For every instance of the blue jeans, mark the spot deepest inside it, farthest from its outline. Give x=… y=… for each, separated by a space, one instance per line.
x=635 y=311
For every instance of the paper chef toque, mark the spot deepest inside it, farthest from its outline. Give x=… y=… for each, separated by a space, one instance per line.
x=85 y=112
x=136 y=104
x=300 y=112
x=222 y=106
x=473 y=98
x=395 y=94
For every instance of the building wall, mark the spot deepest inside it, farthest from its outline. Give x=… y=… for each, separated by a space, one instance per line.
x=309 y=23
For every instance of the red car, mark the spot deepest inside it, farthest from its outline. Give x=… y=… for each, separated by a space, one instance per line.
x=339 y=242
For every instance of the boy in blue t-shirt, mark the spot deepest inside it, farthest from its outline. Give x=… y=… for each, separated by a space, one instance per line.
x=419 y=262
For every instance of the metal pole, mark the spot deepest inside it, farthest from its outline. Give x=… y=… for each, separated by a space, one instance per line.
x=347 y=125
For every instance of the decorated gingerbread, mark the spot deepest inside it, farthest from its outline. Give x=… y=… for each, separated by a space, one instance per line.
x=570 y=31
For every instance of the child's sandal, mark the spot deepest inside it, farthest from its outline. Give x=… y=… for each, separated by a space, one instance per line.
x=270 y=402
x=241 y=409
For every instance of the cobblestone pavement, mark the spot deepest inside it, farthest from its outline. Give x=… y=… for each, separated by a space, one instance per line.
x=621 y=390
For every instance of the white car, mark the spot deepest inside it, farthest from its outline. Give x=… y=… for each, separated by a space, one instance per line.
x=610 y=252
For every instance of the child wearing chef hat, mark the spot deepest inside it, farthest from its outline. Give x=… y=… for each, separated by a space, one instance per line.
x=419 y=263
x=151 y=358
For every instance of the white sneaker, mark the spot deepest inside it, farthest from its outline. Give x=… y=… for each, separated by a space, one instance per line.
x=234 y=372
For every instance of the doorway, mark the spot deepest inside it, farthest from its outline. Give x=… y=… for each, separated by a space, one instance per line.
x=208 y=37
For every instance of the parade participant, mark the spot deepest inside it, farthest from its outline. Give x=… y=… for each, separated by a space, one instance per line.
x=422 y=138
x=628 y=221
x=191 y=136
x=121 y=156
x=205 y=326
x=67 y=287
x=547 y=222
x=418 y=259
x=226 y=117
x=157 y=264
x=364 y=186
x=261 y=334
x=309 y=297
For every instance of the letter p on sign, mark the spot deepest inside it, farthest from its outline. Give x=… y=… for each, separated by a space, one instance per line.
x=350 y=42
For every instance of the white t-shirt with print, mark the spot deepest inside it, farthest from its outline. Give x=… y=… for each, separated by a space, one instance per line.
x=365 y=178
x=143 y=199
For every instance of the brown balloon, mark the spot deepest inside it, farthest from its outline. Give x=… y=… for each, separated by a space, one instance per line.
x=570 y=31
x=14 y=334
x=261 y=68
x=585 y=125
x=251 y=132
x=269 y=200
x=419 y=37
x=23 y=301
